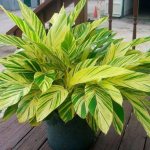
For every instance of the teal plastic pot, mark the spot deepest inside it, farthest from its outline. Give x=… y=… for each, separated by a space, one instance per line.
x=74 y=135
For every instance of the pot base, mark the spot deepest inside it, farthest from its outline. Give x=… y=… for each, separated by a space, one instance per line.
x=74 y=135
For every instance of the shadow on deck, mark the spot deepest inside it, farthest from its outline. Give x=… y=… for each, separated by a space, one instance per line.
x=14 y=136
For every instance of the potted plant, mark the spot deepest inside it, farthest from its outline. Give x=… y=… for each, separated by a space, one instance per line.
x=75 y=77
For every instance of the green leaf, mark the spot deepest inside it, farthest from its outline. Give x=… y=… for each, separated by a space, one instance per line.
x=118 y=121
x=78 y=100
x=139 y=109
x=96 y=73
x=125 y=61
x=66 y=110
x=9 y=112
x=69 y=46
x=11 y=40
x=44 y=80
x=50 y=100
x=58 y=31
x=92 y=123
x=134 y=80
x=113 y=92
x=26 y=29
x=34 y=22
x=103 y=112
x=75 y=13
x=97 y=23
x=12 y=95
x=27 y=107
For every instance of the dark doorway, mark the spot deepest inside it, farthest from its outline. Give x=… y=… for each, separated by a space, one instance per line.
x=27 y=2
x=144 y=7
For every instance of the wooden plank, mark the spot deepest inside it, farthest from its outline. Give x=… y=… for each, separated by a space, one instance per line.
x=112 y=140
x=134 y=138
x=45 y=146
x=33 y=140
x=147 y=145
x=11 y=132
x=83 y=15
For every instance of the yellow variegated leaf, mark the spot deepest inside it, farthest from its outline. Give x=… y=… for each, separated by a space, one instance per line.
x=9 y=112
x=12 y=40
x=34 y=22
x=134 y=80
x=44 y=80
x=50 y=100
x=23 y=26
x=113 y=92
x=96 y=73
x=66 y=110
x=27 y=107
x=118 y=120
x=139 y=109
x=78 y=100
x=75 y=13
x=12 y=95
x=100 y=106
x=98 y=22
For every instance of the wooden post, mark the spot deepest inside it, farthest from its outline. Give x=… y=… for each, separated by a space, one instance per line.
x=59 y=4
x=135 y=17
x=83 y=15
x=110 y=12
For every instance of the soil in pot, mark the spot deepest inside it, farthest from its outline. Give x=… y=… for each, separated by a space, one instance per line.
x=74 y=135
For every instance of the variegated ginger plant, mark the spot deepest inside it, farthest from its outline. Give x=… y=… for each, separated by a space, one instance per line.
x=73 y=70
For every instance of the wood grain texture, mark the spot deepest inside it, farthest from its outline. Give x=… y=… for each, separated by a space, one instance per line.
x=33 y=140
x=134 y=138
x=45 y=146
x=112 y=140
x=147 y=144
x=11 y=132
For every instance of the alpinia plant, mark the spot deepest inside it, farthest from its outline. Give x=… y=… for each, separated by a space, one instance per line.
x=73 y=70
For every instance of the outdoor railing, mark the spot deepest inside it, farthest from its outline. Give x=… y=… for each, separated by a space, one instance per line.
x=49 y=7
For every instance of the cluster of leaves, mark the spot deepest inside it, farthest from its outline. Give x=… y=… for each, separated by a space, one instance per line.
x=76 y=70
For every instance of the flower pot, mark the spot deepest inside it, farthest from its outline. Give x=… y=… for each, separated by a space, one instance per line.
x=74 y=135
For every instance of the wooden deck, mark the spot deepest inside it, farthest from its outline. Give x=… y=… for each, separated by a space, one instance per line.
x=14 y=136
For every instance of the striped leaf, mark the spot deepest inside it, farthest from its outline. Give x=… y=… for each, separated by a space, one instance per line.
x=11 y=40
x=98 y=22
x=34 y=22
x=66 y=110
x=13 y=78
x=50 y=100
x=12 y=95
x=125 y=61
x=27 y=107
x=26 y=29
x=118 y=120
x=100 y=106
x=78 y=100
x=113 y=92
x=69 y=46
x=139 y=109
x=92 y=123
x=82 y=65
x=19 y=65
x=58 y=31
x=96 y=73
x=75 y=13
x=44 y=80
x=134 y=80
x=9 y=112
